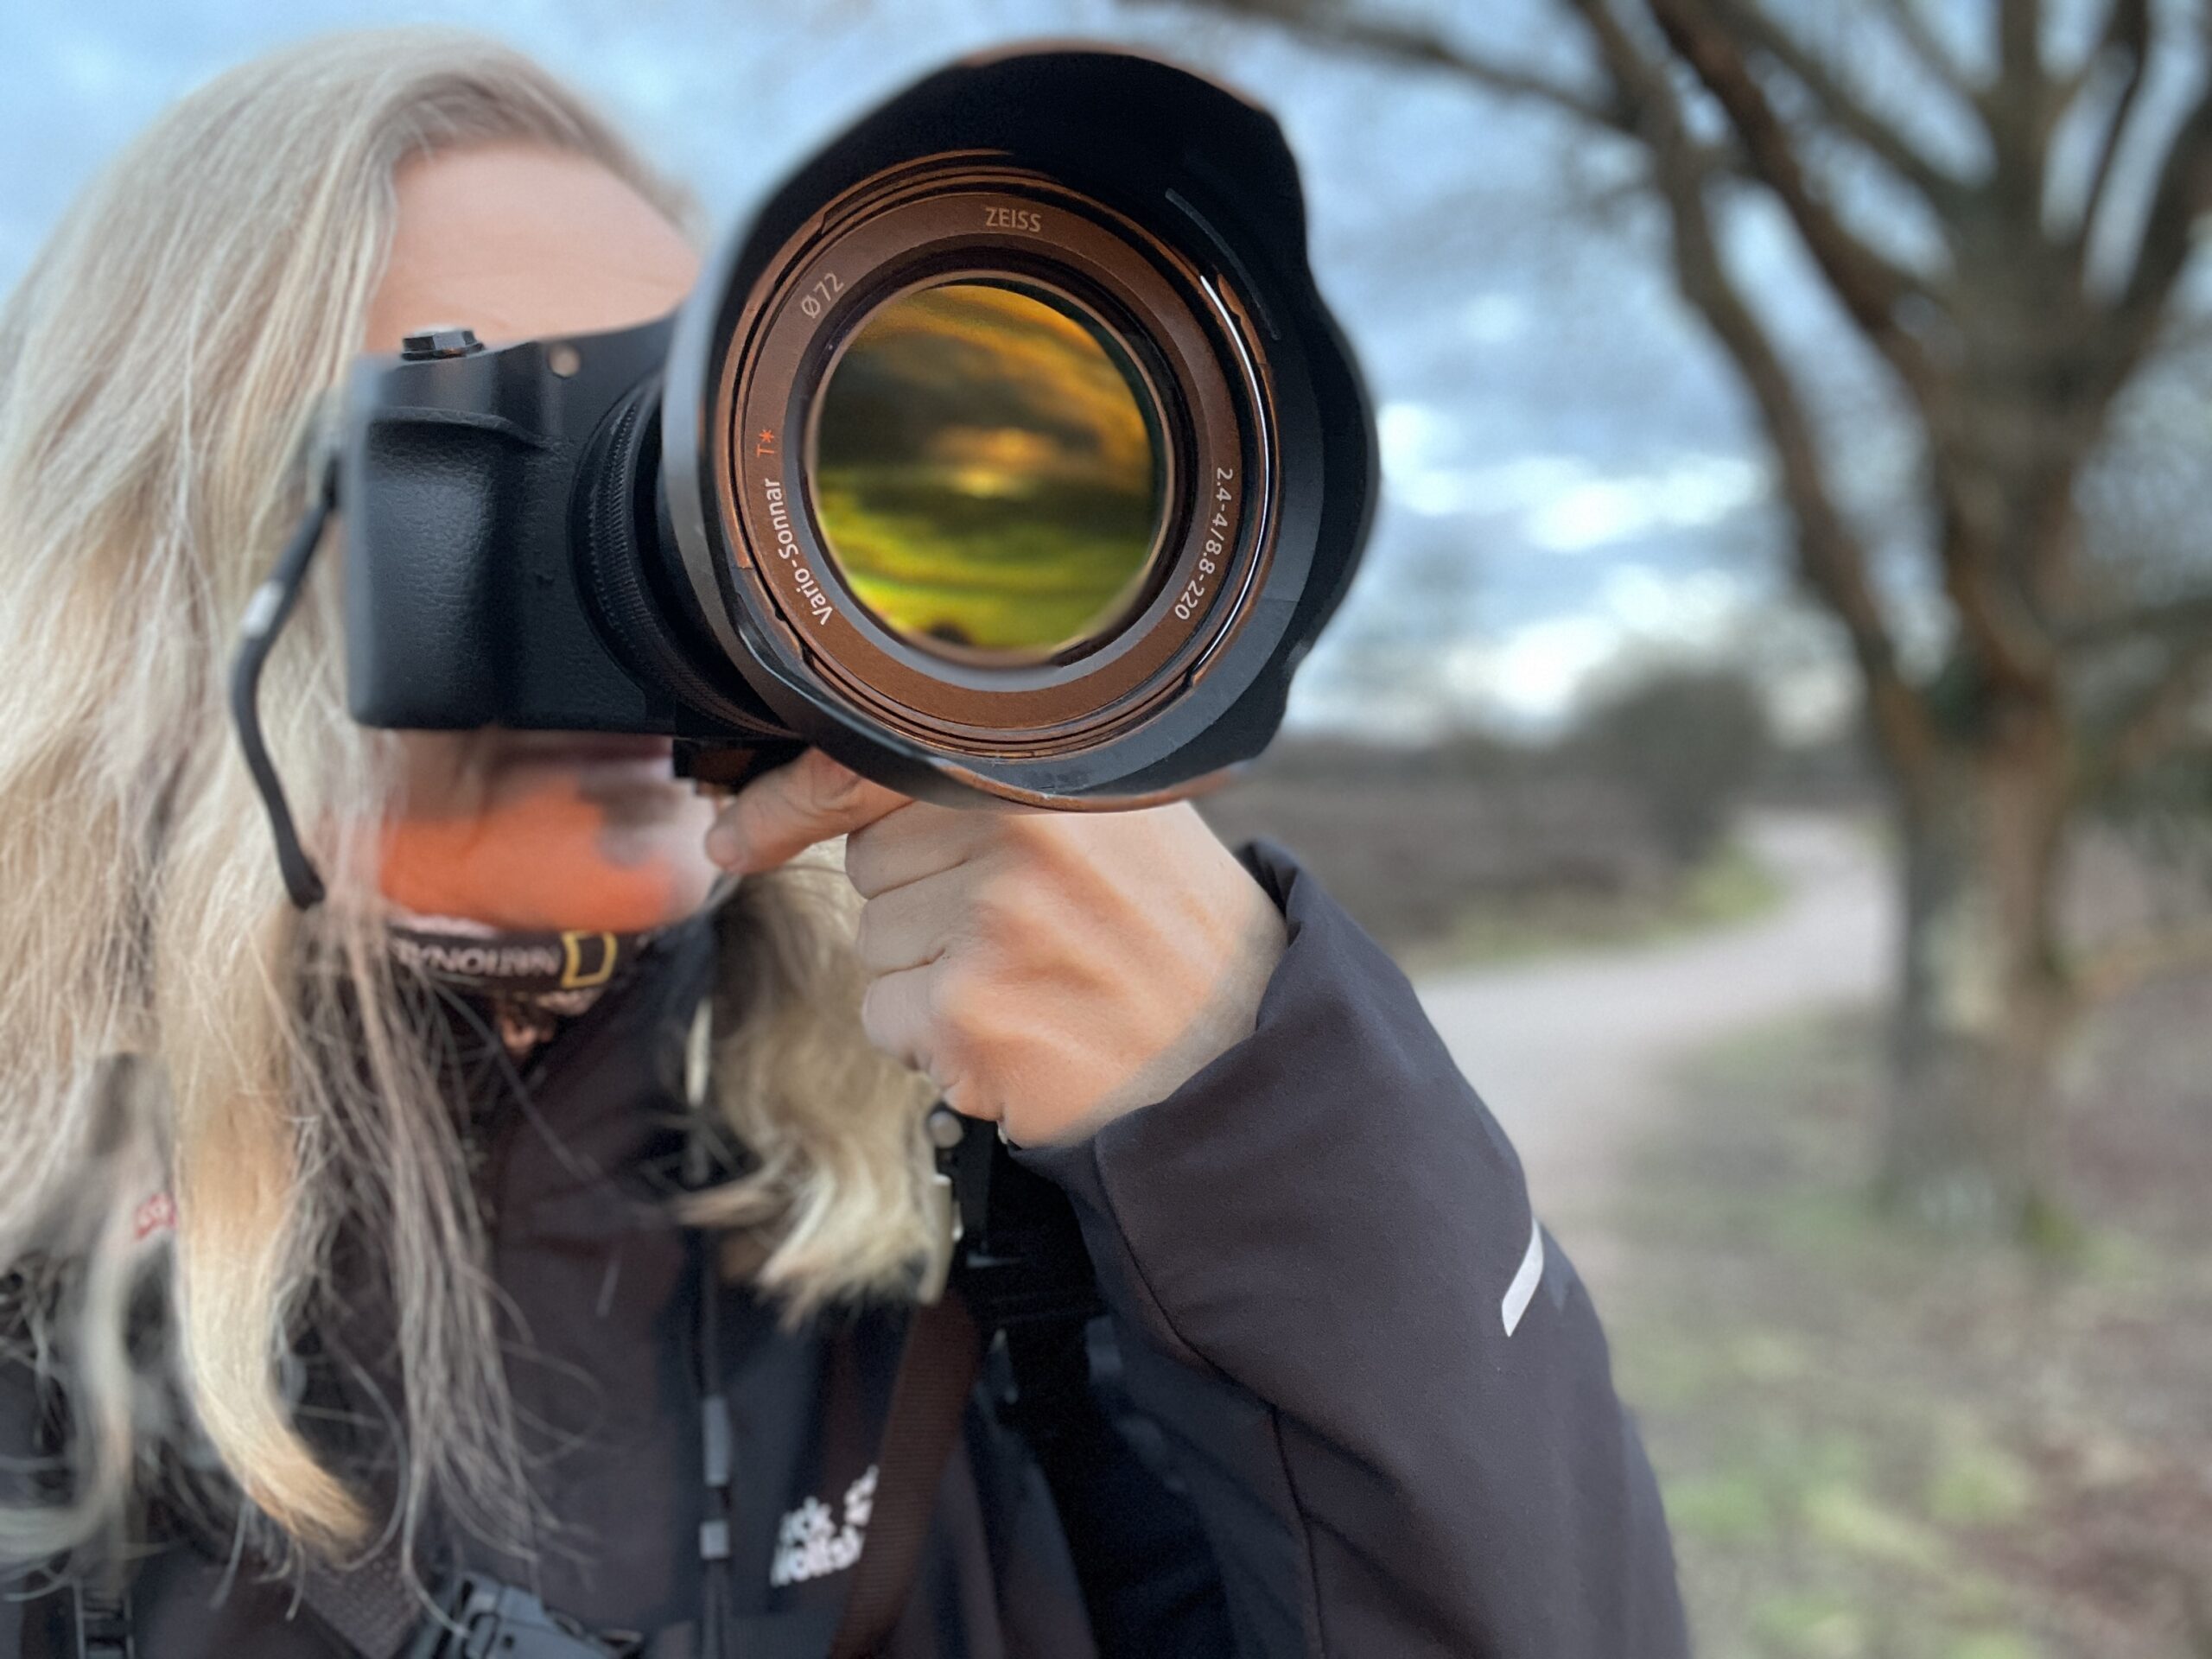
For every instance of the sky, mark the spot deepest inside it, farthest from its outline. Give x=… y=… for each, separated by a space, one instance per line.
x=1571 y=478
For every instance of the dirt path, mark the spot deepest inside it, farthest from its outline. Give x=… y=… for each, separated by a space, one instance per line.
x=1573 y=1054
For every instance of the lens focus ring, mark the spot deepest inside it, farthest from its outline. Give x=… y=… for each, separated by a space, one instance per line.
x=614 y=540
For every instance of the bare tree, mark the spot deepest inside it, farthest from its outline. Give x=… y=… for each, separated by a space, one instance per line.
x=2058 y=254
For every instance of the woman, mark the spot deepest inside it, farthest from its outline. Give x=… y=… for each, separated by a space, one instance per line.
x=547 y=1207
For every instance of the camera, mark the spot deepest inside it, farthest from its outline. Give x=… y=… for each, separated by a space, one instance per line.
x=1008 y=451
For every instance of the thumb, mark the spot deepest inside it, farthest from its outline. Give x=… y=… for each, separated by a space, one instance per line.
x=782 y=813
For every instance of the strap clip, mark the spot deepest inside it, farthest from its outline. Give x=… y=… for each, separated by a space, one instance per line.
x=484 y=1618
x=1019 y=1258
x=104 y=1625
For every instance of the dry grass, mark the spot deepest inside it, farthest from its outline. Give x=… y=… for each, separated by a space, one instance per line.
x=1879 y=1447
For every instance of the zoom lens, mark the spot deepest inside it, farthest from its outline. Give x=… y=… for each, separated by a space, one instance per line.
x=987 y=473
x=1009 y=450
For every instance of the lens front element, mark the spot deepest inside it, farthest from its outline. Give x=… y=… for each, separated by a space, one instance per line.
x=987 y=473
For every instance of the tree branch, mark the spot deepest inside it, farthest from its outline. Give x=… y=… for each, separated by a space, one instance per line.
x=1912 y=27
x=1838 y=102
x=1868 y=284
x=2181 y=197
x=2185 y=618
x=1831 y=560
x=2004 y=642
x=2127 y=30
x=2019 y=43
x=1417 y=43
x=2154 y=723
x=2021 y=109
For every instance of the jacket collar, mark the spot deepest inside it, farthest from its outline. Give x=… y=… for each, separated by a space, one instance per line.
x=584 y=1137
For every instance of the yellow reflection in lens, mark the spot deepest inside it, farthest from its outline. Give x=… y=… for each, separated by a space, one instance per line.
x=984 y=474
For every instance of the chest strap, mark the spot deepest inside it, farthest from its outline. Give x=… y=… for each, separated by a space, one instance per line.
x=485 y=1619
x=937 y=1370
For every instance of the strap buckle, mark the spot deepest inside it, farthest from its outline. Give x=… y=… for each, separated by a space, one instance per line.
x=484 y=1618
x=104 y=1625
x=1020 y=1258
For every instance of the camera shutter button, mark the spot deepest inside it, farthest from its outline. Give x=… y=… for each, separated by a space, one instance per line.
x=426 y=343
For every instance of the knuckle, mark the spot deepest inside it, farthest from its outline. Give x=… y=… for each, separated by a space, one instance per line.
x=1036 y=835
x=962 y=1094
x=959 y=1002
x=864 y=860
x=886 y=1022
x=950 y=996
x=871 y=852
x=872 y=1012
x=998 y=903
x=829 y=786
x=1054 y=850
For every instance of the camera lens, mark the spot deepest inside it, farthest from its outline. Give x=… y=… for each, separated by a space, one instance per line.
x=1009 y=450
x=987 y=472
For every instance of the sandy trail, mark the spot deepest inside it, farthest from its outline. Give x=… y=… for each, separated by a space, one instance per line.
x=1573 y=1054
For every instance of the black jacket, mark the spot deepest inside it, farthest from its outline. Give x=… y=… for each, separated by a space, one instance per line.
x=1348 y=1400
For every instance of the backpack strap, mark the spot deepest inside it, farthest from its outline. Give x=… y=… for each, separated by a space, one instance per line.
x=372 y=1610
x=1021 y=1264
x=371 y=1606
x=937 y=1371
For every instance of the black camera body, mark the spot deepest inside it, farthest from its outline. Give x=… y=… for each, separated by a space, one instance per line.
x=466 y=567
x=620 y=531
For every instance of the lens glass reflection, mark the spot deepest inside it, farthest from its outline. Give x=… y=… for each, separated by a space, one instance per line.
x=987 y=474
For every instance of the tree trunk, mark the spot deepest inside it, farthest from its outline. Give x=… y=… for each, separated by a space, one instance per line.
x=1985 y=1004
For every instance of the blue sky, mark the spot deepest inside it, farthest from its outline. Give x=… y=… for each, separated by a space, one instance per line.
x=1570 y=474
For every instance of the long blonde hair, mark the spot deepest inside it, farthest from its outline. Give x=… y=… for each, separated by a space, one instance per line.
x=168 y=1022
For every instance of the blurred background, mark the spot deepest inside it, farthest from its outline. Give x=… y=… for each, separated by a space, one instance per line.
x=1771 y=724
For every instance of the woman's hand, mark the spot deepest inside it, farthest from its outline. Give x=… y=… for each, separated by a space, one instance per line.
x=1050 y=970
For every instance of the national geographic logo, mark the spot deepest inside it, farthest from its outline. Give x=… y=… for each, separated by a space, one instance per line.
x=546 y=962
x=587 y=959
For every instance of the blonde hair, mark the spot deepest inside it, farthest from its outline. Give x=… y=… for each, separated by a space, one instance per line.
x=168 y=1020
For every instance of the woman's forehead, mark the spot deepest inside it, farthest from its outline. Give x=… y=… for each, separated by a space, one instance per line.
x=521 y=241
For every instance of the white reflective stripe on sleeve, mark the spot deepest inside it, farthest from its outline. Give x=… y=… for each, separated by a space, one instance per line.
x=1524 y=1287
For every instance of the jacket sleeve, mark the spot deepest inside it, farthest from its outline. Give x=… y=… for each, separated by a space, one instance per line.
x=1381 y=1386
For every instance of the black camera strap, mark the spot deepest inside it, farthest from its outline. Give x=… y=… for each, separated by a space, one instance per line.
x=265 y=616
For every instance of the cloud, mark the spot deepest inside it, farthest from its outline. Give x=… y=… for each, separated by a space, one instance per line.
x=1534 y=673
x=1687 y=493
x=1533 y=676
x=1494 y=319
x=1563 y=503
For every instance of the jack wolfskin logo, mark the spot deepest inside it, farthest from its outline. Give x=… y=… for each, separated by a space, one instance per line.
x=810 y=1542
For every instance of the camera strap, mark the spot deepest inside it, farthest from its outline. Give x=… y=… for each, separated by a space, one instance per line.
x=265 y=616
x=936 y=1372
x=1021 y=1267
